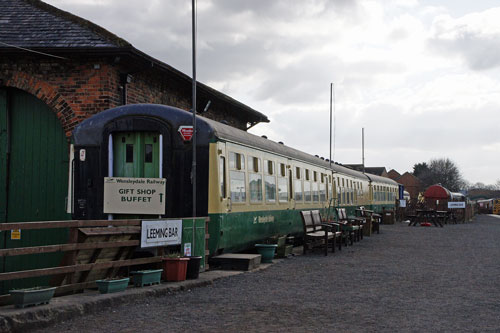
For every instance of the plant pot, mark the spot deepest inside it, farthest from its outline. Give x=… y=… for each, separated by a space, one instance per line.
x=174 y=269
x=32 y=296
x=266 y=251
x=147 y=277
x=112 y=286
x=193 y=267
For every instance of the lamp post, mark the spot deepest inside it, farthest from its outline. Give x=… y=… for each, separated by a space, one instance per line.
x=193 y=169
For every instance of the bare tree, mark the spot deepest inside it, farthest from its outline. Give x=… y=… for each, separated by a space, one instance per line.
x=440 y=171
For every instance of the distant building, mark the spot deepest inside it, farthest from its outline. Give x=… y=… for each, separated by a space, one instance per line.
x=393 y=174
x=379 y=171
x=411 y=183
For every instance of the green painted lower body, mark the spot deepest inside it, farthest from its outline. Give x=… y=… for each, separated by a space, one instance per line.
x=236 y=232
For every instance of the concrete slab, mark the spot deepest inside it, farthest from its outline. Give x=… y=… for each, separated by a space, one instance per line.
x=236 y=261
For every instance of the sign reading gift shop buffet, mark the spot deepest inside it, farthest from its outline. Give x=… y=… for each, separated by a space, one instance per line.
x=134 y=195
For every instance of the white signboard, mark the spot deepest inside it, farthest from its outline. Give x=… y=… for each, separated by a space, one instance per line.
x=134 y=195
x=456 y=204
x=402 y=203
x=161 y=233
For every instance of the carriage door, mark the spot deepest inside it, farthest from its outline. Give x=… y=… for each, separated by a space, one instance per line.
x=136 y=154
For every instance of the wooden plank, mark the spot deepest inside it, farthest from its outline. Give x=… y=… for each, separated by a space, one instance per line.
x=93 y=258
x=76 y=268
x=67 y=224
x=66 y=247
x=110 y=231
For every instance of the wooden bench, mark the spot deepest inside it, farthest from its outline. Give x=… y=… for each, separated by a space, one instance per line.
x=349 y=226
x=375 y=219
x=316 y=216
x=316 y=235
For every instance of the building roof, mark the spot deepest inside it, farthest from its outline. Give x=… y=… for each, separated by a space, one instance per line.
x=379 y=171
x=40 y=27
x=393 y=174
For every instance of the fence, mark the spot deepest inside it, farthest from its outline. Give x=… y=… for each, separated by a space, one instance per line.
x=96 y=249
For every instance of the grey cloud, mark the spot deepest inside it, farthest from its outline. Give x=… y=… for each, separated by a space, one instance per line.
x=480 y=52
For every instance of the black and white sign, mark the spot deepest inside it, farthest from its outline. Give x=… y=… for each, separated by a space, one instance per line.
x=456 y=204
x=161 y=233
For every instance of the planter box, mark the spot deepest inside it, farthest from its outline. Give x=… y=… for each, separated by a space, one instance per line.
x=278 y=240
x=32 y=296
x=174 y=269
x=112 y=286
x=147 y=277
x=284 y=251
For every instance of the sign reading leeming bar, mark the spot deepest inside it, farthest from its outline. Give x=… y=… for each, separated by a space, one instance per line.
x=134 y=195
x=161 y=233
x=456 y=204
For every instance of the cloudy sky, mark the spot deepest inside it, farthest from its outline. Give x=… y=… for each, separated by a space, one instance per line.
x=421 y=76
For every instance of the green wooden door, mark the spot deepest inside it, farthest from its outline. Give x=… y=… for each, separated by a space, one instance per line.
x=34 y=152
x=136 y=154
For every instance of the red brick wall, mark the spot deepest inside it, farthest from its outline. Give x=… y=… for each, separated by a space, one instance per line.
x=78 y=87
x=411 y=183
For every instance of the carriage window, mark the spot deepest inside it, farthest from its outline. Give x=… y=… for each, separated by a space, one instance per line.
x=255 y=186
x=297 y=172
x=322 y=192
x=222 y=176
x=282 y=170
x=236 y=161
x=238 y=189
x=255 y=164
x=129 y=153
x=270 y=187
x=269 y=167
x=315 y=192
x=307 y=174
x=282 y=189
x=343 y=185
x=315 y=176
x=307 y=191
x=148 y=153
x=298 y=190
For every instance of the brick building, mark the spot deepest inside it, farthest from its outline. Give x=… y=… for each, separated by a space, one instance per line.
x=411 y=183
x=57 y=69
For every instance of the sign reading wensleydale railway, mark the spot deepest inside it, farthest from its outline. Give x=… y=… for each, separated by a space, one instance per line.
x=161 y=233
x=134 y=195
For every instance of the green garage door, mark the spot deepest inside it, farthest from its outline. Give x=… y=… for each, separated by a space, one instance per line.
x=33 y=181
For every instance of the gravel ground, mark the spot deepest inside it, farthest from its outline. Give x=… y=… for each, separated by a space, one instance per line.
x=406 y=279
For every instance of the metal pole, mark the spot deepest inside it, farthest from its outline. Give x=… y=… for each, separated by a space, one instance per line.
x=110 y=163
x=331 y=98
x=363 y=147
x=193 y=169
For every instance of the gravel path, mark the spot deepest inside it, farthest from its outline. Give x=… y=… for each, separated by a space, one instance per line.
x=407 y=279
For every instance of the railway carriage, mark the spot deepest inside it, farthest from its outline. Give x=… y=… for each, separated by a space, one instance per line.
x=251 y=188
